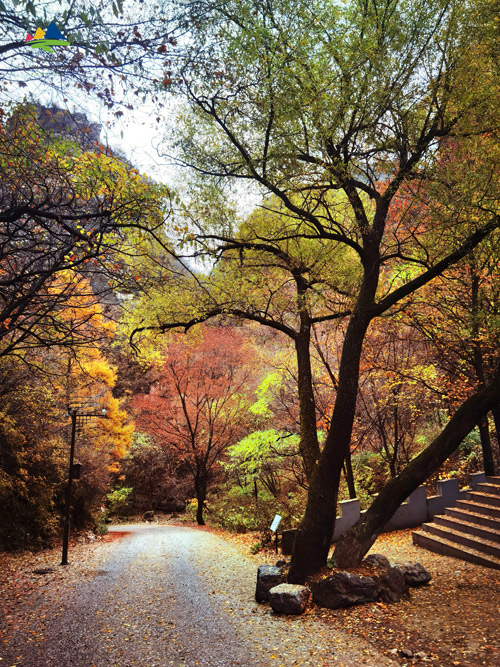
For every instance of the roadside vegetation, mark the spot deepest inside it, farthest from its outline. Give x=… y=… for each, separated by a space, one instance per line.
x=338 y=339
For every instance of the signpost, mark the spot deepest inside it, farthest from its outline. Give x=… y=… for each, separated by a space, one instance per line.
x=274 y=528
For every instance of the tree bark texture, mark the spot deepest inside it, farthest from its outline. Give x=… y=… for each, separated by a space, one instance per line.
x=484 y=432
x=496 y=419
x=349 y=476
x=201 y=496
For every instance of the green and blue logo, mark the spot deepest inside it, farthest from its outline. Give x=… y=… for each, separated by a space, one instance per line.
x=46 y=40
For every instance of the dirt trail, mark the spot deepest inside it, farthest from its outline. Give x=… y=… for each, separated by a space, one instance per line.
x=167 y=595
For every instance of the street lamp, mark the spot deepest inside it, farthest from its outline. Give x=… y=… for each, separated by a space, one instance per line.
x=77 y=420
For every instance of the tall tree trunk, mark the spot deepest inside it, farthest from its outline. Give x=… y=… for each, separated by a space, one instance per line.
x=395 y=448
x=314 y=536
x=488 y=460
x=201 y=496
x=309 y=445
x=484 y=432
x=496 y=419
x=349 y=475
x=356 y=542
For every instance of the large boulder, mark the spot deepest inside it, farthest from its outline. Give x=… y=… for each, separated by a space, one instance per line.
x=387 y=583
x=289 y=598
x=415 y=574
x=392 y=585
x=268 y=576
x=391 y=580
x=344 y=589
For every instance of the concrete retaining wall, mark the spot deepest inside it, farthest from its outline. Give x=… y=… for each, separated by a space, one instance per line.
x=416 y=510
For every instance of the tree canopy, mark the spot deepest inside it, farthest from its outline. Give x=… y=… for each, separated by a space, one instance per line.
x=362 y=99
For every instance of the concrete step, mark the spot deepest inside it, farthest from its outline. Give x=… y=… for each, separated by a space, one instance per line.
x=445 y=547
x=493 y=480
x=479 y=508
x=483 y=498
x=464 y=539
x=470 y=527
x=486 y=487
x=472 y=517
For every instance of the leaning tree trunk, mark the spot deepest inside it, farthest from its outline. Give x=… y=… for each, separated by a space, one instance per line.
x=356 y=542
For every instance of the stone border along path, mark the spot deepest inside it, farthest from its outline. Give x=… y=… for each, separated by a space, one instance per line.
x=169 y=595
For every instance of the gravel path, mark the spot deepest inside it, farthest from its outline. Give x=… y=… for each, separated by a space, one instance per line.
x=167 y=595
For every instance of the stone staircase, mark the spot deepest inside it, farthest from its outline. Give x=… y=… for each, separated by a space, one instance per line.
x=470 y=530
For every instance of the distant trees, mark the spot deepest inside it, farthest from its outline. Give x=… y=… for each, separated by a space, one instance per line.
x=198 y=406
x=158 y=479
x=32 y=458
x=399 y=389
x=460 y=321
x=286 y=284
x=34 y=447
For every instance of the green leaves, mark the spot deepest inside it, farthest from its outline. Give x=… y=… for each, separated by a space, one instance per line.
x=261 y=449
x=261 y=406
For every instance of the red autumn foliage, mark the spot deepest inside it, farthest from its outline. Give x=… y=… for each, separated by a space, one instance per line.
x=197 y=407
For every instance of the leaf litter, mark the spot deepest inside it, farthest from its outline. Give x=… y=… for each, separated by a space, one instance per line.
x=451 y=622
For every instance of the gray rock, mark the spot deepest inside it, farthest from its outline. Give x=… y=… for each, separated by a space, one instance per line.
x=268 y=576
x=344 y=589
x=63 y=123
x=415 y=574
x=392 y=585
x=289 y=598
x=378 y=560
x=406 y=653
x=391 y=580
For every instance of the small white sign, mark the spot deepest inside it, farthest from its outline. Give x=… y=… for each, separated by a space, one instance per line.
x=275 y=523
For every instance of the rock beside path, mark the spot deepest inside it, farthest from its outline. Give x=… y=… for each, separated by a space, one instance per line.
x=388 y=583
x=392 y=585
x=415 y=574
x=289 y=598
x=344 y=589
x=268 y=576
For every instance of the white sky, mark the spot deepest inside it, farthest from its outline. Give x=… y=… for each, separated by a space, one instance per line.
x=137 y=135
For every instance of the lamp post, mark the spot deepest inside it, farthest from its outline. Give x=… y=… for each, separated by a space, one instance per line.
x=77 y=419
